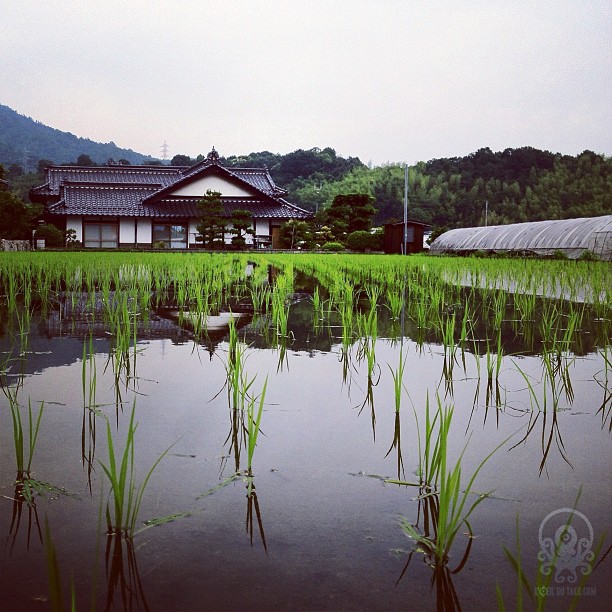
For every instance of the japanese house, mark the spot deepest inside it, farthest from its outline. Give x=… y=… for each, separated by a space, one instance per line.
x=143 y=206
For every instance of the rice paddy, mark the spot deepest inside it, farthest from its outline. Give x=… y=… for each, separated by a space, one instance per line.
x=300 y=431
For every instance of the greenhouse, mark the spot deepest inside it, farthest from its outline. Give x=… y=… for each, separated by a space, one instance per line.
x=573 y=237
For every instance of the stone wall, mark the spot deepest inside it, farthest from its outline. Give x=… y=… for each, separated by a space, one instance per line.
x=14 y=245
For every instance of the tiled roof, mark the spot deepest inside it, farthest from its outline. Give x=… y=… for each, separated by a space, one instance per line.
x=145 y=191
x=260 y=179
x=259 y=208
x=127 y=201
x=111 y=199
x=162 y=176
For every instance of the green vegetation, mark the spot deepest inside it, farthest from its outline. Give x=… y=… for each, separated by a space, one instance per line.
x=467 y=315
x=522 y=184
x=212 y=223
x=126 y=494
x=515 y=185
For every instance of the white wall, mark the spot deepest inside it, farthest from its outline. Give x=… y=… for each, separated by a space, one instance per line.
x=145 y=231
x=75 y=223
x=127 y=230
x=214 y=183
x=192 y=232
x=262 y=227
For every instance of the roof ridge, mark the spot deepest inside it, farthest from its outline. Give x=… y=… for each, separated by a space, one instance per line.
x=111 y=184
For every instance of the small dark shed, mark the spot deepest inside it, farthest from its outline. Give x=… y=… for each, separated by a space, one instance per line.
x=394 y=237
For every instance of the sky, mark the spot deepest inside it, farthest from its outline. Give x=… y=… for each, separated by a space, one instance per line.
x=388 y=81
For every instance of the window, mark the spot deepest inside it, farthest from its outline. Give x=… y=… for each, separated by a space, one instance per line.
x=100 y=235
x=173 y=236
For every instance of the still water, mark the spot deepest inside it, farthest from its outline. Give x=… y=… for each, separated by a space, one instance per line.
x=315 y=525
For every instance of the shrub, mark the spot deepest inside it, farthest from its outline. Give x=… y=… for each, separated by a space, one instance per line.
x=587 y=255
x=52 y=236
x=360 y=241
x=332 y=246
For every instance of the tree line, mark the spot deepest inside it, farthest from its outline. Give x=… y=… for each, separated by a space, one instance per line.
x=510 y=186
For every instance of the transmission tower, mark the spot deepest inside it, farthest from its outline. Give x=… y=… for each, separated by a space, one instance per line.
x=164 y=150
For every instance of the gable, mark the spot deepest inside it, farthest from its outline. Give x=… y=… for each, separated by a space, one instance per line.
x=214 y=182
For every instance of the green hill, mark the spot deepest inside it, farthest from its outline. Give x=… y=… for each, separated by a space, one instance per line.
x=24 y=141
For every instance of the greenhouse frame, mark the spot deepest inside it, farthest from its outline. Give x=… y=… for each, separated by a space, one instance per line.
x=572 y=237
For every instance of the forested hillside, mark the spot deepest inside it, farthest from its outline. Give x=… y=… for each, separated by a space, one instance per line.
x=514 y=185
x=519 y=185
x=24 y=141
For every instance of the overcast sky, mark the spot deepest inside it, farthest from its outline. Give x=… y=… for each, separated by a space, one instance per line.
x=382 y=80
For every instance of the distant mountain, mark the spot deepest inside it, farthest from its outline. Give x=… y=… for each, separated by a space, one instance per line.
x=24 y=141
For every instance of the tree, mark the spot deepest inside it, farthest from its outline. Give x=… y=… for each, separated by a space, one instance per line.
x=350 y=213
x=14 y=170
x=212 y=222
x=181 y=160
x=52 y=236
x=42 y=165
x=241 y=226
x=84 y=160
x=294 y=233
x=16 y=217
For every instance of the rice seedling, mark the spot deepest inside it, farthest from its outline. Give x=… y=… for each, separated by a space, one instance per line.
x=23 y=454
x=541 y=408
x=441 y=486
x=253 y=420
x=398 y=380
x=397 y=445
x=234 y=367
x=453 y=513
x=122 y=514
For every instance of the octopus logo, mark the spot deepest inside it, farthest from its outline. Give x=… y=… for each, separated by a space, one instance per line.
x=566 y=537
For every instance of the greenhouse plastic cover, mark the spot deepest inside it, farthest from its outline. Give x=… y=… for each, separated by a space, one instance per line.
x=572 y=236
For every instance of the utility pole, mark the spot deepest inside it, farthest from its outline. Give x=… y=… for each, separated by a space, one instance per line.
x=406 y=209
x=486 y=212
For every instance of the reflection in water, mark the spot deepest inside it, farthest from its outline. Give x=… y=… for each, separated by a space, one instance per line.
x=335 y=318
x=550 y=432
x=602 y=380
x=397 y=445
x=24 y=494
x=122 y=576
x=253 y=507
x=441 y=578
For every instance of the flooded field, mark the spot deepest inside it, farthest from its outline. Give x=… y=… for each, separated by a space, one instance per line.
x=304 y=432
